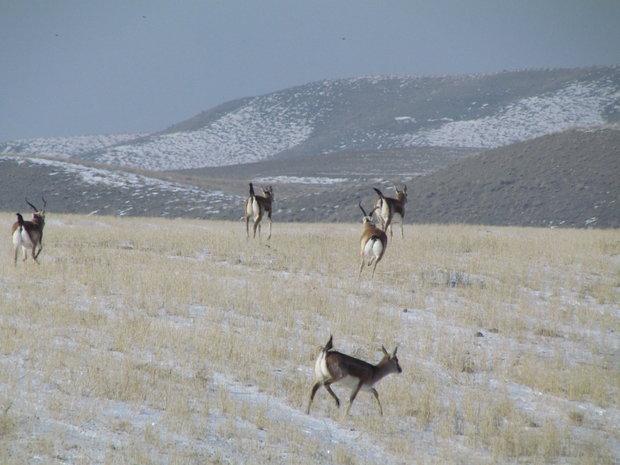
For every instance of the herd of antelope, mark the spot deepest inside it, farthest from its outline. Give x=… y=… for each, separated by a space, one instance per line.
x=331 y=367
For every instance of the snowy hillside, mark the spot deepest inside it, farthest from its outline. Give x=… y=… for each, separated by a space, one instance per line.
x=254 y=132
x=576 y=105
x=102 y=191
x=65 y=147
x=361 y=114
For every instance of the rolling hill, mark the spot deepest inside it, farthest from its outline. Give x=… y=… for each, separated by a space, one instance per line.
x=567 y=179
x=361 y=114
x=525 y=148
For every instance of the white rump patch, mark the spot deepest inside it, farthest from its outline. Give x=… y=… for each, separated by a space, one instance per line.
x=373 y=248
x=23 y=240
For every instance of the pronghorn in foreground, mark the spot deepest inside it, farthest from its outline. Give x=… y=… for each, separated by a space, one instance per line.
x=388 y=207
x=29 y=234
x=256 y=206
x=372 y=243
x=333 y=367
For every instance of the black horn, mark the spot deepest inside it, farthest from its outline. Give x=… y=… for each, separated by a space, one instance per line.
x=362 y=208
x=32 y=206
x=44 y=201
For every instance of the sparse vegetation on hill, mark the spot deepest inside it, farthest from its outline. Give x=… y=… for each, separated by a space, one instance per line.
x=566 y=179
x=157 y=341
x=362 y=114
x=325 y=144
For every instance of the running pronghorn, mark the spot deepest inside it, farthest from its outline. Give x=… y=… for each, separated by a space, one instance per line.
x=333 y=367
x=372 y=243
x=29 y=234
x=388 y=207
x=256 y=206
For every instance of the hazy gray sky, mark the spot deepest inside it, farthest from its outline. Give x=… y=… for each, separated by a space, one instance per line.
x=89 y=66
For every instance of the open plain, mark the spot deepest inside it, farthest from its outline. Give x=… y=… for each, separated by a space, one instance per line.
x=157 y=341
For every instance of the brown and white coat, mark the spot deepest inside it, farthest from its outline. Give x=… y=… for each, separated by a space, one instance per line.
x=29 y=234
x=333 y=367
x=387 y=207
x=373 y=242
x=255 y=207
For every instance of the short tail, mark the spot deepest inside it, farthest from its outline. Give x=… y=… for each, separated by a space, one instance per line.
x=20 y=221
x=329 y=344
x=379 y=193
x=251 y=190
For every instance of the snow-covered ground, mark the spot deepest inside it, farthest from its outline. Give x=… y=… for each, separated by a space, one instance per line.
x=300 y=180
x=577 y=105
x=154 y=341
x=332 y=116
x=129 y=191
x=255 y=132
x=65 y=147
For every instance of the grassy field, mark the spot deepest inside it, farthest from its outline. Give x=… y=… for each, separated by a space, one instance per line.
x=140 y=341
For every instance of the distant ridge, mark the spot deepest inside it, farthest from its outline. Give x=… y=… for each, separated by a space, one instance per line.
x=367 y=113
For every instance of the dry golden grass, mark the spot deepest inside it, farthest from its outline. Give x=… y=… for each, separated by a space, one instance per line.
x=159 y=341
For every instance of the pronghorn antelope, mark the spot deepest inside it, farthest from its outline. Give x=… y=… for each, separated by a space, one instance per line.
x=29 y=234
x=388 y=207
x=372 y=243
x=256 y=206
x=333 y=367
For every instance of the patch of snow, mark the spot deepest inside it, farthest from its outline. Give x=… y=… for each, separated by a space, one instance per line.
x=578 y=104
x=299 y=180
x=327 y=430
x=141 y=186
x=255 y=132
x=65 y=147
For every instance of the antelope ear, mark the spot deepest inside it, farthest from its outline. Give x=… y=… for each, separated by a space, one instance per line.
x=385 y=352
x=394 y=353
x=405 y=188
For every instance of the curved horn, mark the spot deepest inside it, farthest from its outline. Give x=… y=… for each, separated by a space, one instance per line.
x=44 y=201
x=362 y=208
x=32 y=206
